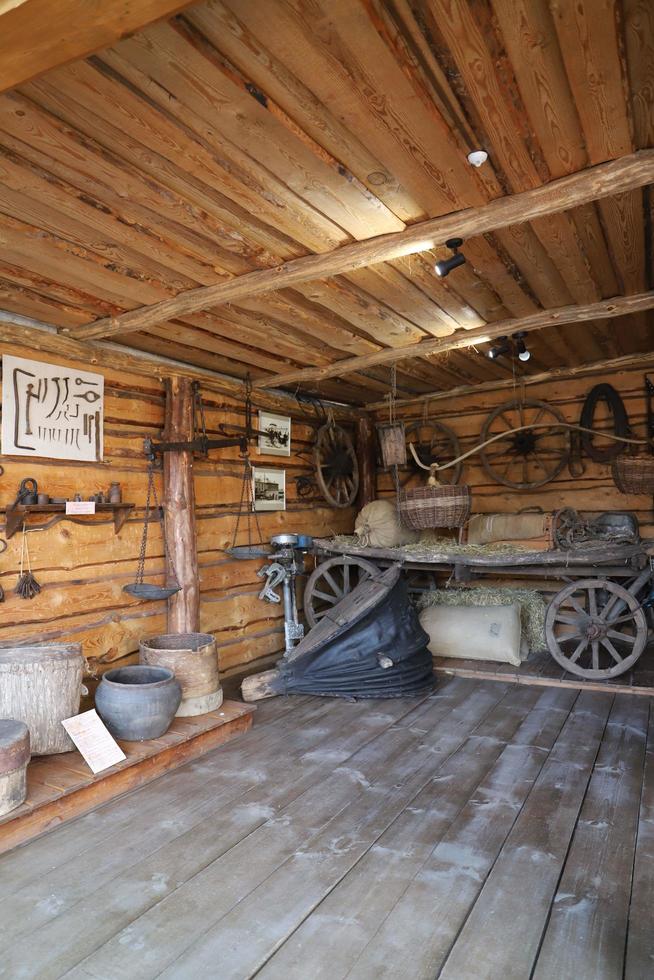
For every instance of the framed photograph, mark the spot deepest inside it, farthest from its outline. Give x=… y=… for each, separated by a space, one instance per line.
x=276 y=434
x=269 y=488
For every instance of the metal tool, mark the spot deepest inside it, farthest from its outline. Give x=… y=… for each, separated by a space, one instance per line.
x=287 y=562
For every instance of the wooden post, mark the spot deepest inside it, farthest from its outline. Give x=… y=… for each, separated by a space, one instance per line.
x=179 y=504
x=366 y=453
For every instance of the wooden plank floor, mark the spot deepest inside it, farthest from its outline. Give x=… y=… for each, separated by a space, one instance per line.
x=490 y=830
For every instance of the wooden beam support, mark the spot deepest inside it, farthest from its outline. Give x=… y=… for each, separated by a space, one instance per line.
x=613 y=364
x=606 y=309
x=37 y=35
x=604 y=180
x=179 y=508
x=365 y=444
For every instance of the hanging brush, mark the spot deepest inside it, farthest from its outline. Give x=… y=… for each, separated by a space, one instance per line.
x=27 y=586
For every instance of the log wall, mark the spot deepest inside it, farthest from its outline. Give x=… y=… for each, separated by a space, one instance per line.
x=82 y=567
x=595 y=491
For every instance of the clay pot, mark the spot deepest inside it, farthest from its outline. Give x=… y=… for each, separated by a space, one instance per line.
x=137 y=703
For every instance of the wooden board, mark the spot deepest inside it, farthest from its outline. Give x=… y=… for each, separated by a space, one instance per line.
x=61 y=787
x=406 y=838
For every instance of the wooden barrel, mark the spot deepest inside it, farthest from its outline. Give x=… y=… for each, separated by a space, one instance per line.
x=14 y=756
x=193 y=659
x=42 y=685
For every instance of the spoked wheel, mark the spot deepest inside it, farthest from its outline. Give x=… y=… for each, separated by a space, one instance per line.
x=434 y=442
x=595 y=628
x=332 y=581
x=337 y=468
x=528 y=459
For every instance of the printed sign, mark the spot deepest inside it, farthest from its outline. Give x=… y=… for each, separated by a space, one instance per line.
x=51 y=411
x=94 y=741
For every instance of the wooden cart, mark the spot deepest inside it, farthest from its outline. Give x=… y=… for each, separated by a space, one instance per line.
x=596 y=626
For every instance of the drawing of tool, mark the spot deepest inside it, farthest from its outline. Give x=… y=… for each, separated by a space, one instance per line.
x=28 y=374
x=81 y=381
x=97 y=436
x=65 y=381
x=90 y=396
x=57 y=400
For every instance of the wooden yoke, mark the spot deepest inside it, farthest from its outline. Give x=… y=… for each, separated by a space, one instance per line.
x=179 y=505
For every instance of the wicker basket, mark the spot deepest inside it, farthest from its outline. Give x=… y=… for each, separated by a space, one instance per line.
x=634 y=474
x=441 y=506
x=392 y=440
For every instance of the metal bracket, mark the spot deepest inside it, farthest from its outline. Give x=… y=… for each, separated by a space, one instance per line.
x=201 y=445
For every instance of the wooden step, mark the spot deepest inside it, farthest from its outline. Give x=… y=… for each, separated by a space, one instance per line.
x=61 y=787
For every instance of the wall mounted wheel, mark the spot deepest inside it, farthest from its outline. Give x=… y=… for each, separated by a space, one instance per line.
x=529 y=459
x=595 y=629
x=434 y=442
x=336 y=466
x=331 y=581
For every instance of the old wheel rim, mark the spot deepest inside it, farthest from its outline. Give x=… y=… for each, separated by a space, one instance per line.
x=583 y=635
x=434 y=442
x=529 y=459
x=331 y=581
x=336 y=465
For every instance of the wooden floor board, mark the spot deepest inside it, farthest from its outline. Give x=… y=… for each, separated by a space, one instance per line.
x=585 y=936
x=487 y=830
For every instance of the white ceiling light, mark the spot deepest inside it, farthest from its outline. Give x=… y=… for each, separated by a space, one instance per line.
x=477 y=157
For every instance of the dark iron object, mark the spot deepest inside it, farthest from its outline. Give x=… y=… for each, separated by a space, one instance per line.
x=649 y=410
x=371 y=645
x=245 y=552
x=608 y=394
x=145 y=590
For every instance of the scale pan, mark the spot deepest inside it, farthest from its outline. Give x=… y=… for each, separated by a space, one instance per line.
x=245 y=551
x=142 y=590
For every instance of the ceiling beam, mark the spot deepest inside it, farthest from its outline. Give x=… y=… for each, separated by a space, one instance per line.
x=604 y=310
x=612 y=364
x=604 y=180
x=37 y=35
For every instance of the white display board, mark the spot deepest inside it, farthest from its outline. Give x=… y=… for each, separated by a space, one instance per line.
x=51 y=411
x=94 y=741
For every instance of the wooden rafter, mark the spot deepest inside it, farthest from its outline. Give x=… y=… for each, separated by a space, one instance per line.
x=37 y=35
x=604 y=180
x=606 y=309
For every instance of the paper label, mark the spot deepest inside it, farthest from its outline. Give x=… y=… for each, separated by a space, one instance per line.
x=94 y=741
x=80 y=506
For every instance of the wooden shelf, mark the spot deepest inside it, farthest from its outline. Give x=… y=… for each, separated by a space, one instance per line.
x=61 y=787
x=16 y=514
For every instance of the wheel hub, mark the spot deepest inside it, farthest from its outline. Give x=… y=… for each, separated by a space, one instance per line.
x=524 y=443
x=595 y=630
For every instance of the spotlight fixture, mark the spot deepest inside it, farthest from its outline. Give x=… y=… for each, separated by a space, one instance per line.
x=503 y=347
x=445 y=266
x=520 y=346
x=477 y=158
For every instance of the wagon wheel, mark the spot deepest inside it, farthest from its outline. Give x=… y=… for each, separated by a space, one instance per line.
x=332 y=581
x=337 y=469
x=529 y=459
x=595 y=628
x=434 y=442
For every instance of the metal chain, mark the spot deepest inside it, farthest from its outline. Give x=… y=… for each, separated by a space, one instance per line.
x=140 y=568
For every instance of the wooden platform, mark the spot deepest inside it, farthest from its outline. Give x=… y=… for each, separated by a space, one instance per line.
x=490 y=830
x=61 y=787
x=542 y=670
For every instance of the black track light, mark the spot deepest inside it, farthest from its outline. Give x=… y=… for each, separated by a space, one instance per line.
x=445 y=266
x=521 y=347
x=502 y=348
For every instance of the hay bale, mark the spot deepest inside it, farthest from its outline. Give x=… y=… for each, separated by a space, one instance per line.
x=532 y=607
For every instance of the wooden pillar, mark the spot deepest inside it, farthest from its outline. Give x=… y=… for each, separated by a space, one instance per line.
x=179 y=505
x=367 y=456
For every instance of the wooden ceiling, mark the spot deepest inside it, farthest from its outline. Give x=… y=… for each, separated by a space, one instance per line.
x=244 y=133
